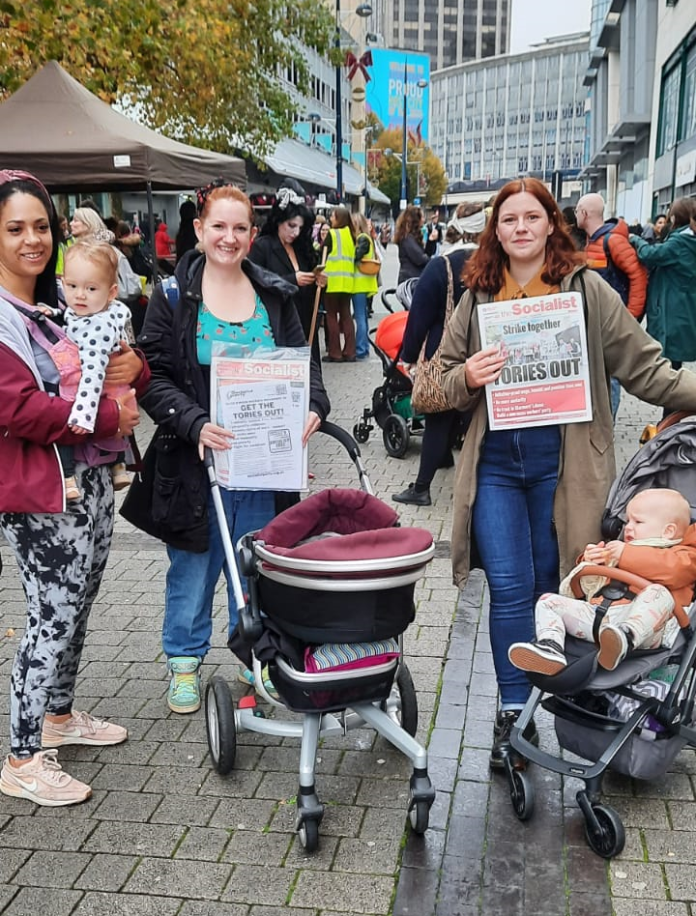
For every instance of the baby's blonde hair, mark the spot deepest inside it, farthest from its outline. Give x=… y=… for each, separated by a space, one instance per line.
x=100 y=254
x=673 y=507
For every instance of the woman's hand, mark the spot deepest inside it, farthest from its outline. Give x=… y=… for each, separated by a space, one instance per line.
x=321 y=278
x=484 y=367
x=128 y=413
x=304 y=277
x=124 y=367
x=311 y=426
x=215 y=437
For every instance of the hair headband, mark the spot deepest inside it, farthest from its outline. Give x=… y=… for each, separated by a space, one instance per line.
x=7 y=175
x=202 y=194
x=469 y=225
x=287 y=196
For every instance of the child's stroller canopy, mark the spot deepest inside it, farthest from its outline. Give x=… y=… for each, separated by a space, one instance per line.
x=368 y=529
x=666 y=461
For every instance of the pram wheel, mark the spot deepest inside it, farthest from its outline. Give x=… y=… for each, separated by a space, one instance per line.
x=308 y=834
x=395 y=435
x=361 y=433
x=419 y=816
x=220 y=725
x=402 y=703
x=607 y=839
x=521 y=794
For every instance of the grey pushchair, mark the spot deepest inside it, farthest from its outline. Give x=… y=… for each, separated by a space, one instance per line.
x=330 y=593
x=637 y=718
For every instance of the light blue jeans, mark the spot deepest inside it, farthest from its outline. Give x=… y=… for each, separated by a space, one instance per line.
x=192 y=577
x=513 y=526
x=615 y=397
x=362 y=347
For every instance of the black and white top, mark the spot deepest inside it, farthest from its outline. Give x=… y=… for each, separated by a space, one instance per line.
x=97 y=337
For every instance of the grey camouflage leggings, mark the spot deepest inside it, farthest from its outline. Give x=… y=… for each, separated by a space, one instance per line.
x=61 y=559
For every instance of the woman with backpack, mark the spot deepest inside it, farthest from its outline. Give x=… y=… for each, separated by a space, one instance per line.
x=218 y=295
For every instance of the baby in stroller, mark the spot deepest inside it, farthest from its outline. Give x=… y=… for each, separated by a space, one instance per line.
x=659 y=544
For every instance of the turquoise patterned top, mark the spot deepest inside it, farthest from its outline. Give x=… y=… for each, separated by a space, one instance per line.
x=253 y=333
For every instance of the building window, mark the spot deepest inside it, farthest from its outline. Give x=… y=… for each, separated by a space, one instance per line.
x=669 y=111
x=689 y=102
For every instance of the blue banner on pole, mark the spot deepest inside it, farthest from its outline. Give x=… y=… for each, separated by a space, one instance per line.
x=385 y=91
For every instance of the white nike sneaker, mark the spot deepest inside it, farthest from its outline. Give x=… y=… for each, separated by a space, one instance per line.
x=43 y=781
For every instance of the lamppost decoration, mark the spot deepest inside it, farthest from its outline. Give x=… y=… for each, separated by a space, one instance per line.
x=363 y=11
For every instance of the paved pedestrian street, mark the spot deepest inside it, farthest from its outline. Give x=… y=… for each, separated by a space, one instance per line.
x=164 y=835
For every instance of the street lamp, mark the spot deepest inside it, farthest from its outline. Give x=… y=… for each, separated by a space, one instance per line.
x=404 y=145
x=389 y=153
x=363 y=10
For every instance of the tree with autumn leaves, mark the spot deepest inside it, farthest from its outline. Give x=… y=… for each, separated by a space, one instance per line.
x=425 y=174
x=216 y=73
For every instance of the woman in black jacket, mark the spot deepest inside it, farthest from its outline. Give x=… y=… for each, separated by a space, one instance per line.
x=284 y=246
x=408 y=235
x=221 y=296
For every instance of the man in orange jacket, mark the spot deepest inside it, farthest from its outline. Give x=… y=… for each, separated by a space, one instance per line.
x=609 y=252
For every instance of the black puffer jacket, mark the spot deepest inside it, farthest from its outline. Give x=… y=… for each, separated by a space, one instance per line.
x=170 y=499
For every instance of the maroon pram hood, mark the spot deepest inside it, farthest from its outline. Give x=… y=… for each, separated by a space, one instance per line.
x=366 y=523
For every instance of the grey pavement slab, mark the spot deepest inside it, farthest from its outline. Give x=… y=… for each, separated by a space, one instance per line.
x=163 y=834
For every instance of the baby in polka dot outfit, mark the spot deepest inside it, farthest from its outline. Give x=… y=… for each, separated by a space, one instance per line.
x=96 y=324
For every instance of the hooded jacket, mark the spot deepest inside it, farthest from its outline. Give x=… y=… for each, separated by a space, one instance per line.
x=674 y=567
x=33 y=421
x=617 y=347
x=170 y=500
x=164 y=244
x=624 y=258
x=671 y=307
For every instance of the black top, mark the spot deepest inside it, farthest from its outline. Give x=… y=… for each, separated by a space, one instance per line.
x=412 y=259
x=268 y=252
x=426 y=316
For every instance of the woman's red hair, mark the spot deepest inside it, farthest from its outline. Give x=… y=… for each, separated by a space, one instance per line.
x=484 y=269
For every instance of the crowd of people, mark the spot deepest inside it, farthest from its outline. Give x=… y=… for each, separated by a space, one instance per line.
x=527 y=501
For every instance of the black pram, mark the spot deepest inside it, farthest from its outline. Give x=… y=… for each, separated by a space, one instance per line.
x=638 y=717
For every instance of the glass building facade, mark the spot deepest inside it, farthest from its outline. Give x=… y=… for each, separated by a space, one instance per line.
x=521 y=114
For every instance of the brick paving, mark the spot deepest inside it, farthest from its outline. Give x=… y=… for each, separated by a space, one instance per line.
x=164 y=834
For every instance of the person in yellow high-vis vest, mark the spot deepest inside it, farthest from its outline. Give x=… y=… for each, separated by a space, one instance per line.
x=364 y=286
x=340 y=270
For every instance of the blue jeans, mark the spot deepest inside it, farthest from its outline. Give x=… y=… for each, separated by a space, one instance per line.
x=192 y=577
x=615 y=397
x=513 y=526
x=362 y=347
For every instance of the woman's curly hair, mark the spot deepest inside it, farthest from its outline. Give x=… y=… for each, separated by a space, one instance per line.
x=485 y=268
x=409 y=222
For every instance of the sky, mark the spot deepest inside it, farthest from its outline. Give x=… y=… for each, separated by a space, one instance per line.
x=535 y=20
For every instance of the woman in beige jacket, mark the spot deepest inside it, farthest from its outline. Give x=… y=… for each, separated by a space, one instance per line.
x=532 y=498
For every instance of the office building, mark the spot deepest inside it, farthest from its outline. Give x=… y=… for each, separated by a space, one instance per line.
x=642 y=84
x=450 y=31
x=513 y=115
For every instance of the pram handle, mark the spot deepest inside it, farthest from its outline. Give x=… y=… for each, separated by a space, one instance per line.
x=635 y=582
x=342 y=436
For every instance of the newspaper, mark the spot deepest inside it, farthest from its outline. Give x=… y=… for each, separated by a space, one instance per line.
x=264 y=400
x=545 y=379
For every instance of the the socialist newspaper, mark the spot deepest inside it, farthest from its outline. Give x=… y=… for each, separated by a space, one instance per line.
x=264 y=402
x=545 y=379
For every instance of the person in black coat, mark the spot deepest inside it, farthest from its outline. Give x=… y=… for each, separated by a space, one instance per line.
x=171 y=500
x=408 y=235
x=285 y=246
x=186 y=235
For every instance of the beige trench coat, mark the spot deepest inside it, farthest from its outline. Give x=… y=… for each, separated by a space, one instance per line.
x=618 y=346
